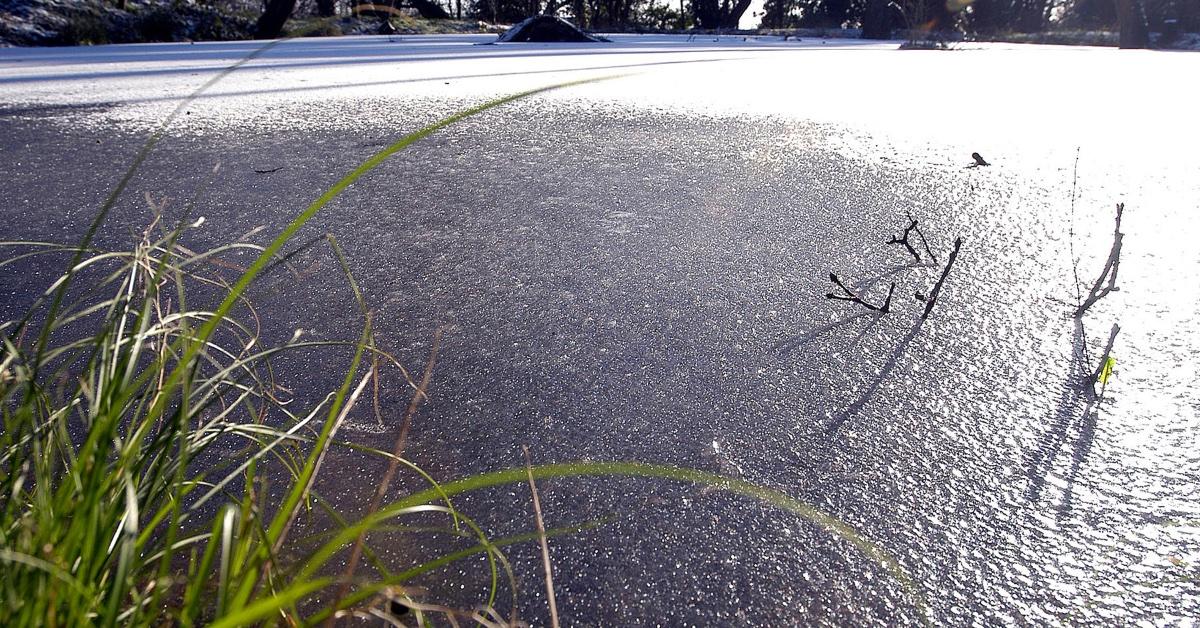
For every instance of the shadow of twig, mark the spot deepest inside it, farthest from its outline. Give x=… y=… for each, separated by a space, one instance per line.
x=1079 y=453
x=1051 y=445
x=787 y=346
x=873 y=387
x=863 y=332
x=865 y=284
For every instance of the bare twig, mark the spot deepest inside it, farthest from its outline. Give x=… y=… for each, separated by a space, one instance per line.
x=541 y=529
x=903 y=239
x=1100 y=289
x=1071 y=228
x=854 y=298
x=341 y=418
x=937 y=288
x=924 y=242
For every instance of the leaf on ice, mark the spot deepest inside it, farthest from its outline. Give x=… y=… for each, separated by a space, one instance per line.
x=1107 y=370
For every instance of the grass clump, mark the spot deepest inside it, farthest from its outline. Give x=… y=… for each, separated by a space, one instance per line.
x=109 y=404
x=117 y=399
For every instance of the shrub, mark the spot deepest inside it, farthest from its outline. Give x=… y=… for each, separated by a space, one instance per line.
x=83 y=29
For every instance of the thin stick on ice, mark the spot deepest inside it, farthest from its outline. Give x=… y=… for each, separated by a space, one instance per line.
x=937 y=288
x=1100 y=289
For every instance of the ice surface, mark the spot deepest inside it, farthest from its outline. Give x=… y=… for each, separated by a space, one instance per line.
x=635 y=268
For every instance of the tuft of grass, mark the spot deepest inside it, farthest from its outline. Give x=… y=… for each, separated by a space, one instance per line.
x=117 y=400
x=107 y=500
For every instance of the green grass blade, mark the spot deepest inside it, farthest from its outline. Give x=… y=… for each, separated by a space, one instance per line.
x=629 y=469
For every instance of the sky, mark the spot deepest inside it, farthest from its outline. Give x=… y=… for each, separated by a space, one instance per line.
x=750 y=18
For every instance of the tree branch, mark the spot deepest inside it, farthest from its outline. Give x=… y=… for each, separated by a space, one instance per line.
x=937 y=288
x=924 y=242
x=904 y=240
x=1111 y=265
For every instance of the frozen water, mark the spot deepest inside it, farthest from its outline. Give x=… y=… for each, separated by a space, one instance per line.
x=635 y=269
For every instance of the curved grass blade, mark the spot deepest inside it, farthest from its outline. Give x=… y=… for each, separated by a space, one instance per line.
x=367 y=591
x=134 y=166
x=629 y=469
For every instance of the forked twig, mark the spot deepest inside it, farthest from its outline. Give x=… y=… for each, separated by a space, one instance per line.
x=541 y=530
x=937 y=288
x=854 y=298
x=903 y=239
x=1100 y=289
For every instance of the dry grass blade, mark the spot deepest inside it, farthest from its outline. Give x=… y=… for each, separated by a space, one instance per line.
x=341 y=418
x=385 y=483
x=541 y=530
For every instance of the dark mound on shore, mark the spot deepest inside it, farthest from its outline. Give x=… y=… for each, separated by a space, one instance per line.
x=545 y=29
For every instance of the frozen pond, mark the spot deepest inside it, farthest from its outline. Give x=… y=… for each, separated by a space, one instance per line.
x=635 y=269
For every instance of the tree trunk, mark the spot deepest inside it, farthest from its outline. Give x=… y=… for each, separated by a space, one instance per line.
x=429 y=10
x=993 y=16
x=1132 y=22
x=276 y=13
x=939 y=17
x=878 y=19
x=553 y=6
x=326 y=8
x=1033 y=16
x=733 y=18
x=708 y=14
x=711 y=15
x=580 y=11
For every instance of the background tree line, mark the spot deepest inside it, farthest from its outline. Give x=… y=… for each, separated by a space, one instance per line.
x=588 y=14
x=987 y=17
x=877 y=18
